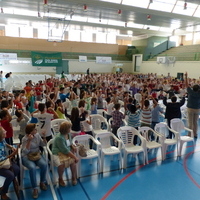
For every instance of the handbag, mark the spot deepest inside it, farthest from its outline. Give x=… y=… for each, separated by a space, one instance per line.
x=34 y=156
x=66 y=160
x=5 y=164
x=82 y=150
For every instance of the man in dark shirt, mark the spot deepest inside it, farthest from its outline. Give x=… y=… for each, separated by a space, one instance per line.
x=173 y=110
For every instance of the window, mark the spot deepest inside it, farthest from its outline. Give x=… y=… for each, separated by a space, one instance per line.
x=12 y=31
x=101 y=37
x=74 y=35
x=26 y=32
x=86 y=36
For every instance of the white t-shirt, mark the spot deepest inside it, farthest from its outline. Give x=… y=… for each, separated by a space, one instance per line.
x=86 y=127
x=44 y=123
x=110 y=108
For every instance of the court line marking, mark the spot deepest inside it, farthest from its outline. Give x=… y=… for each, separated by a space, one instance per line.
x=135 y=170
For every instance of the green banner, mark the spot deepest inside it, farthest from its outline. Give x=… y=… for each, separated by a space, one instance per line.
x=46 y=59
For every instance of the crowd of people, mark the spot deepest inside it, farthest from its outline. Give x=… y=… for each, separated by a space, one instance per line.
x=134 y=98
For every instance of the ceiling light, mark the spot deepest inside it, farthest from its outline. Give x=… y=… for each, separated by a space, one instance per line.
x=119 y=12
x=149 y=17
x=185 y=5
x=45 y=2
x=85 y=8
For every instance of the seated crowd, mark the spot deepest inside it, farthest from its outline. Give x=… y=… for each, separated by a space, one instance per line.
x=134 y=98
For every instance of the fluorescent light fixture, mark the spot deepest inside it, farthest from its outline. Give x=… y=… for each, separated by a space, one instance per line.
x=112 y=1
x=141 y=4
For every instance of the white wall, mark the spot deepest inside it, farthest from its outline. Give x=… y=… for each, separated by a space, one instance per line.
x=81 y=67
x=193 y=68
x=74 y=67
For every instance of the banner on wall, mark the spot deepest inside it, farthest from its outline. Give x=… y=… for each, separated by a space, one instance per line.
x=103 y=60
x=8 y=56
x=46 y=59
x=82 y=58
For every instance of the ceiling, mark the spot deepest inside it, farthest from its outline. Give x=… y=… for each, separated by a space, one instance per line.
x=126 y=17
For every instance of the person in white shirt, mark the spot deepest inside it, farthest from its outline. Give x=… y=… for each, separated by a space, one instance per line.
x=44 y=120
x=87 y=125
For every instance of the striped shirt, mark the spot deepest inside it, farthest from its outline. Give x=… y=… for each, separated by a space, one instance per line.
x=146 y=116
x=134 y=118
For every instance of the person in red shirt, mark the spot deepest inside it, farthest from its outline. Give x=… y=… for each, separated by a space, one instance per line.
x=17 y=101
x=28 y=89
x=38 y=91
x=5 y=123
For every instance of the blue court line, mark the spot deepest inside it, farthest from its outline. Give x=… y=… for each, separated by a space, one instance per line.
x=84 y=190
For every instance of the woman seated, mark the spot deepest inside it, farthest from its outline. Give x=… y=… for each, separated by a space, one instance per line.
x=63 y=153
x=13 y=169
x=31 y=157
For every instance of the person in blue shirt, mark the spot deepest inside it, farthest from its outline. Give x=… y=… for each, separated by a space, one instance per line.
x=62 y=95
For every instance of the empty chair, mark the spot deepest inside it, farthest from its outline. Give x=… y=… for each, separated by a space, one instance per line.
x=178 y=125
x=106 y=140
x=99 y=124
x=153 y=139
x=163 y=129
x=55 y=125
x=126 y=134
x=91 y=153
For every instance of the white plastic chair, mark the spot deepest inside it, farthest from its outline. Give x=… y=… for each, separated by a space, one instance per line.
x=99 y=124
x=156 y=142
x=91 y=153
x=163 y=129
x=55 y=125
x=126 y=134
x=107 y=149
x=23 y=168
x=178 y=125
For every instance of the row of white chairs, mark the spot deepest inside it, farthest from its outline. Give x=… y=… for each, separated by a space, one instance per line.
x=103 y=141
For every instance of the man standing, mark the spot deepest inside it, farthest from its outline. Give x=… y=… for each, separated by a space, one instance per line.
x=88 y=71
x=193 y=106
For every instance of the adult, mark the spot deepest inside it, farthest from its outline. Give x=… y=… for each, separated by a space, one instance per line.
x=173 y=110
x=88 y=71
x=63 y=145
x=193 y=106
x=13 y=171
x=1 y=79
x=31 y=143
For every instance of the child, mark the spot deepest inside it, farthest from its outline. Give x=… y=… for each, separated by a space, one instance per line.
x=87 y=125
x=59 y=109
x=76 y=118
x=134 y=118
x=155 y=113
x=109 y=108
x=94 y=105
x=44 y=120
x=146 y=113
x=117 y=118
